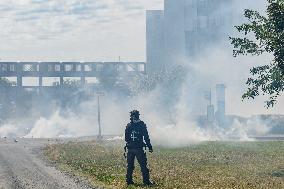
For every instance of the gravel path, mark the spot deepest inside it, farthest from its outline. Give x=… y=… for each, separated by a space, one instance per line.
x=21 y=166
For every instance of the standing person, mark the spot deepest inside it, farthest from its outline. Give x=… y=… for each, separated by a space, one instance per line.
x=136 y=138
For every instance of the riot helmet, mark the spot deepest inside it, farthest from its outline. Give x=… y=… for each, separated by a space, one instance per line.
x=134 y=115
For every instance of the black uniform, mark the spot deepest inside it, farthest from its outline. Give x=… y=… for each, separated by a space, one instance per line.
x=135 y=135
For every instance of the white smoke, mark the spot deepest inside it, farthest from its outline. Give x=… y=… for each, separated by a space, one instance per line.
x=182 y=134
x=175 y=126
x=59 y=126
x=8 y=130
x=182 y=131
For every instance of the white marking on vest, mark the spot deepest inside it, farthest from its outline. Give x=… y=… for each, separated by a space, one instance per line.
x=133 y=136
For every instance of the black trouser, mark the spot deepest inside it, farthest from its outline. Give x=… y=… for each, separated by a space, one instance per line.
x=142 y=160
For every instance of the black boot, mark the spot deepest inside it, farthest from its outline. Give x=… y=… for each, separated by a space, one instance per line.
x=129 y=183
x=148 y=183
x=146 y=178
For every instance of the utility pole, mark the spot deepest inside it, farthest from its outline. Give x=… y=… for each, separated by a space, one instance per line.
x=99 y=94
x=99 y=119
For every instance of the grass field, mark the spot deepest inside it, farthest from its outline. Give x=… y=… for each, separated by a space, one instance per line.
x=206 y=165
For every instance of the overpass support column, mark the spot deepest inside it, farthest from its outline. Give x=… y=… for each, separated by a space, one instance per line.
x=40 y=82
x=19 y=81
x=83 y=80
x=19 y=68
x=62 y=70
x=61 y=80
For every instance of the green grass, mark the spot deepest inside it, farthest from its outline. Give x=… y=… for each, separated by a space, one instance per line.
x=206 y=165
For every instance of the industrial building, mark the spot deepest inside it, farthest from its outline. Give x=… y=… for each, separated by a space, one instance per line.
x=221 y=110
x=155 y=40
x=184 y=29
x=220 y=115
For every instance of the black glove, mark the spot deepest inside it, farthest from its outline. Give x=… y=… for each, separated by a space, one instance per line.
x=151 y=149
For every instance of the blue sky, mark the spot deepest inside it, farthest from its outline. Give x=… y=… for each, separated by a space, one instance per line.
x=81 y=30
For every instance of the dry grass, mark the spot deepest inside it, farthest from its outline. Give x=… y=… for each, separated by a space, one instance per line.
x=206 y=165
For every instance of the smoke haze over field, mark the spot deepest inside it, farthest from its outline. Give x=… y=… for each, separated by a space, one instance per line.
x=170 y=110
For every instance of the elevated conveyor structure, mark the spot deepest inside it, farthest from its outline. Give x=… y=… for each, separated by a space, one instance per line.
x=69 y=69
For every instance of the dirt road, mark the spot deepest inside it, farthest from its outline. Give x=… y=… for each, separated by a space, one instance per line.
x=22 y=166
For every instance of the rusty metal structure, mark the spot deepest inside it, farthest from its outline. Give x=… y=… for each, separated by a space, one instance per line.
x=69 y=69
